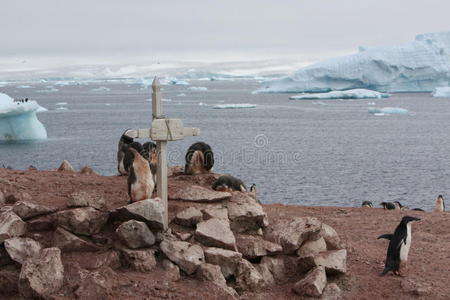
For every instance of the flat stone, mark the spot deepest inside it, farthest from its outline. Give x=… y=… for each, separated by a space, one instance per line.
x=195 y=193
x=141 y=260
x=150 y=211
x=332 y=292
x=83 y=220
x=66 y=166
x=198 y=179
x=135 y=234
x=83 y=199
x=189 y=217
x=215 y=233
x=312 y=247
x=68 y=242
x=28 y=210
x=42 y=275
x=248 y=278
x=186 y=255
x=210 y=272
x=331 y=237
x=219 y=213
x=334 y=261
x=312 y=284
x=9 y=277
x=245 y=213
x=253 y=246
x=291 y=233
x=227 y=260
x=11 y=226
x=21 y=248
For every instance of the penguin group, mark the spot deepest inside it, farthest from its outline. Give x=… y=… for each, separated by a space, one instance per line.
x=396 y=205
x=23 y=100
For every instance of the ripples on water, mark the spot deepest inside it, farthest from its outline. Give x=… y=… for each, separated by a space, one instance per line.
x=298 y=152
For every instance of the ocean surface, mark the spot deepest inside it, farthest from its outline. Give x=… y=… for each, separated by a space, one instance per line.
x=326 y=152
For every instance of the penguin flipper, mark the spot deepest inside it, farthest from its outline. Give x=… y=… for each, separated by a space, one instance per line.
x=387 y=236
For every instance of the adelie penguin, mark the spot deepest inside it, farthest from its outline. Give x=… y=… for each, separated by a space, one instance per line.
x=124 y=140
x=140 y=179
x=228 y=183
x=367 y=204
x=387 y=205
x=440 y=205
x=199 y=159
x=399 y=246
x=151 y=155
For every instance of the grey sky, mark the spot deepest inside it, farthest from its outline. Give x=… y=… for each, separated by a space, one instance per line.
x=200 y=28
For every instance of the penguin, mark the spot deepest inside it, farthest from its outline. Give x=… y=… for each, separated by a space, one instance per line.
x=253 y=191
x=440 y=205
x=387 y=205
x=128 y=158
x=399 y=206
x=228 y=183
x=150 y=154
x=124 y=140
x=140 y=179
x=367 y=204
x=199 y=159
x=417 y=209
x=399 y=245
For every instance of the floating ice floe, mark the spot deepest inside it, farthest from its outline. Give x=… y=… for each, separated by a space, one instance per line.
x=198 y=88
x=62 y=108
x=101 y=89
x=174 y=81
x=348 y=94
x=181 y=95
x=234 y=106
x=23 y=87
x=387 y=111
x=417 y=66
x=202 y=104
x=166 y=100
x=18 y=121
x=443 y=91
x=61 y=103
x=50 y=90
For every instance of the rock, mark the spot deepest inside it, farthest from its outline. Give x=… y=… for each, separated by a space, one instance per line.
x=4 y=256
x=41 y=223
x=332 y=292
x=97 y=284
x=188 y=217
x=253 y=246
x=209 y=272
x=331 y=237
x=9 y=277
x=312 y=284
x=68 y=242
x=291 y=233
x=28 y=210
x=195 y=193
x=187 y=256
x=42 y=275
x=334 y=261
x=21 y=248
x=82 y=199
x=215 y=233
x=184 y=236
x=199 y=179
x=172 y=270
x=18 y=196
x=87 y=171
x=245 y=213
x=312 y=247
x=275 y=265
x=97 y=259
x=219 y=213
x=135 y=234
x=227 y=260
x=248 y=278
x=84 y=220
x=11 y=226
x=66 y=166
x=141 y=260
x=150 y=211
x=263 y=269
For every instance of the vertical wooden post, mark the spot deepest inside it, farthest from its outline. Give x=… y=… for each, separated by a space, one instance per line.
x=161 y=148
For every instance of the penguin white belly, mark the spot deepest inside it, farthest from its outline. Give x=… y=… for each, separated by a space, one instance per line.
x=143 y=187
x=404 y=248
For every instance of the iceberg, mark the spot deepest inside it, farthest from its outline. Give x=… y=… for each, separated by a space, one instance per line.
x=234 y=106
x=101 y=89
x=18 y=121
x=198 y=88
x=387 y=111
x=443 y=91
x=349 y=94
x=417 y=66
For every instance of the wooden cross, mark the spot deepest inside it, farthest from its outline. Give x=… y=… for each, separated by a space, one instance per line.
x=162 y=131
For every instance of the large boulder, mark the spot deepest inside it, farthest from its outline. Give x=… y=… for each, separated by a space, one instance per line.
x=312 y=284
x=69 y=242
x=215 y=233
x=334 y=261
x=135 y=234
x=150 y=211
x=245 y=213
x=42 y=275
x=331 y=237
x=21 y=248
x=84 y=220
x=186 y=255
x=141 y=260
x=195 y=193
x=312 y=247
x=83 y=199
x=227 y=260
x=291 y=233
x=253 y=246
x=11 y=226
x=188 y=217
x=248 y=278
x=28 y=210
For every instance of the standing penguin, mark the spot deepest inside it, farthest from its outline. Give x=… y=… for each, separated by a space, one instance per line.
x=151 y=155
x=440 y=205
x=399 y=245
x=140 y=179
x=387 y=205
x=124 y=140
x=199 y=159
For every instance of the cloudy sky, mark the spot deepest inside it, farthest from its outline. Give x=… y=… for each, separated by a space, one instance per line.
x=209 y=29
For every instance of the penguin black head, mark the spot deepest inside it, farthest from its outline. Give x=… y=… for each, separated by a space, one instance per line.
x=440 y=197
x=367 y=204
x=407 y=219
x=399 y=204
x=387 y=205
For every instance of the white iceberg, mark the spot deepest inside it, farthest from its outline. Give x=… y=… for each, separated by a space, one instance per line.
x=349 y=94
x=443 y=91
x=198 y=88
x=50 y=90
x=18 y=121
x=101 y=89
x=61 y=103
x=387 y=111
x=24 y=87
x=234 y=106
x=417 y=66
x=175 y=81
x=181 y=95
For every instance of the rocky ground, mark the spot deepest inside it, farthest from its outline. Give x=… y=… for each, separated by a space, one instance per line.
x=429 y=260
